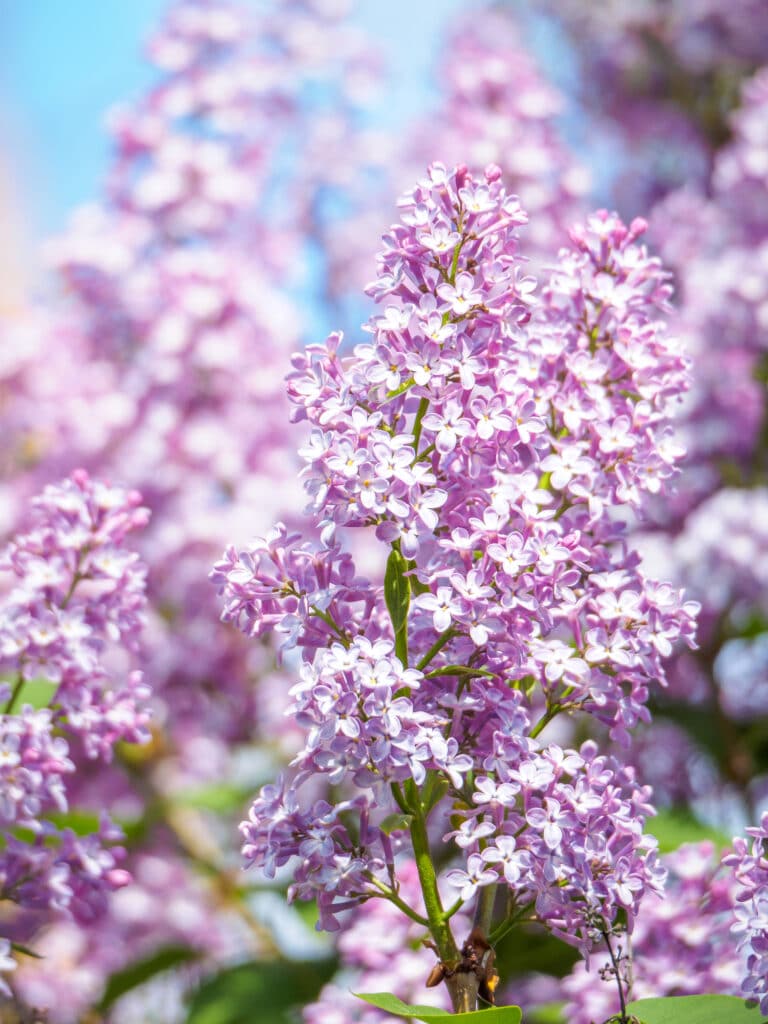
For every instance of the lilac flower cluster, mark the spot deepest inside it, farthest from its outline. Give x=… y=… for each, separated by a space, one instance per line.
x=749 y=863
x=661 y=79
x=681 y=945
x=71 y=612
x=486 y=438
x=565 y=831
x=498 y=107
x=73 y=591
x=717 y=240
x=721 y=257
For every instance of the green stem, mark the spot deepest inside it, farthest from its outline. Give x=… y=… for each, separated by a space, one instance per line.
x=551 y=712
x=508 y=924
x=436 y=647
x=405 y=386
x=420 y=414
x=426 y=453
x=555 y=709
x=455 y=260
x=616 y=973
x=454 y=909
x=391 y=895
x=14 y=694
x=484 y=908
x=330 y=621
x=400 y=800
x=437 y=920
x=76 y=578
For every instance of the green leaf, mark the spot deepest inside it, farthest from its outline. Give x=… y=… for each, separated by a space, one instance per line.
x=391 y=1004
x=695 y=1010
x=266 y=993
x=18 y=947
x=396 y=823
x=547 y=1013
x=397 y=594
x=525 y=949
x=460 y=670
x=137 y=973
x=397 y=590
x=37 y=692
x=674 y=827
x=82 y=823
x=221 y=797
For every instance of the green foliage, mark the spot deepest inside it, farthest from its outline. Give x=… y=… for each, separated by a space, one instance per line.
x=81 y=822
x=391 y=1004
x=267 y=993
x=219 y=797
x=37 y=692
x=396 y=823
x=137 y=973
x=695 y=1010
x=676 y=826
x=397 y=590
x=532 y=949
x=548 y=1013
x=397 y=594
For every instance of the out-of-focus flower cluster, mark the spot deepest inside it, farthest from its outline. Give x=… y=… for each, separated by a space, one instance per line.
x=73 y=599
x=661 y=79
x=682 y=944
x=750 y=867
x=498 y=107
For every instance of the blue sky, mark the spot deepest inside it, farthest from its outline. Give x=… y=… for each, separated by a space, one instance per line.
x=63 y=63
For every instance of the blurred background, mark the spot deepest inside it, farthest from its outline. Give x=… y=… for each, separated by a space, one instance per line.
x=62 y=68
x=191 y=191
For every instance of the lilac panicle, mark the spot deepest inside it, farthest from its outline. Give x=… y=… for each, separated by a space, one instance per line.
x=71 y=611
x=681 y=945
x=749 y=864
x=73 y=591
x=485 y=436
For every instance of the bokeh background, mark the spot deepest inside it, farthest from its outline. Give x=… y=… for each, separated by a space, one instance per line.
x=147 y=338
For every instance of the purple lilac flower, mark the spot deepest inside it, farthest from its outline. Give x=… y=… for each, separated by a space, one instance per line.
x=681 y=944
x=502 y=521
x=750 y=870
x=660 y=80
x=73 y=600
